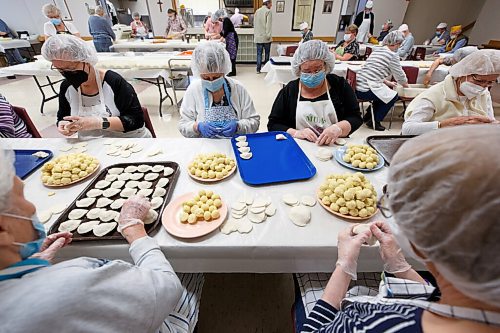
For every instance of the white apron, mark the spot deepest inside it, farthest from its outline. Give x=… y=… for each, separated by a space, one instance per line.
x=315 y=115
x=101 y=110
x=382 y=91
x=364 y=30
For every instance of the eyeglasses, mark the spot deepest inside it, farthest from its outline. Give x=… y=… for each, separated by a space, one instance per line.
x=483 y=82
x=60 y=70
x=383 y=203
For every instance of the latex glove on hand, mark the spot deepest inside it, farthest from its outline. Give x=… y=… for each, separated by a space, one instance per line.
x=133 y=213
x=62 y=127
x=329 y=135
x=391 y=253
x=465 y=120
x=207 y=129
x=83 y=123
x=427 y=79
x=305 y=134
x=229 y=129
x=52 y=244
x=349 y=246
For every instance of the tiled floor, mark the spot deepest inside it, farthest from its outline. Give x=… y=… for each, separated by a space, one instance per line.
x=231 y=302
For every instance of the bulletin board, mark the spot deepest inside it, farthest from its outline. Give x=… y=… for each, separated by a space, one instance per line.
x=303 y=11
x=63 y=7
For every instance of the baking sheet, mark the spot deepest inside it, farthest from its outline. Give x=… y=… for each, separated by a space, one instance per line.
x=387 y=145
x=25 y=163
x=115 y=234
x=273 y=161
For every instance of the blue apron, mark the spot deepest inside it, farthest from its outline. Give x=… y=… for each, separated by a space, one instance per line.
x=220 y=115
x=22 y=267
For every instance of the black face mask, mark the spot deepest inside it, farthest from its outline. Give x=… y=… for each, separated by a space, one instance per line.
x=76 y=78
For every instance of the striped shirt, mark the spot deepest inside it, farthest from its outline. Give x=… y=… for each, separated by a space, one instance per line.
x=381 y=64
x=364 y=317
x=11 y=126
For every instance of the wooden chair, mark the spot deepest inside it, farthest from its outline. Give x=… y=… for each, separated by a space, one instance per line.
x=419 y=54
x=412 y=76
x=30 y=127
x=147 y=122
x=351 y=79
x=367 y=52
x=290 y=50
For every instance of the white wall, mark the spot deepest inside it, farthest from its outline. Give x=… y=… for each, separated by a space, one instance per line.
x=139 y=6
x=324 y=25
x=389 y=9
x=487 y=26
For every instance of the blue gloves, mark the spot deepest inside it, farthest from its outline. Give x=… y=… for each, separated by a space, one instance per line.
x=229 y=129
x=207 y=129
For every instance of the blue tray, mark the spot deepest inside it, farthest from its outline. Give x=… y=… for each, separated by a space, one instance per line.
x=26 y=163
x=273 y=161
x=340 y=152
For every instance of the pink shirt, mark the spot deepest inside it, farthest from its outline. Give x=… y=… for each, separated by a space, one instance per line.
x=212 y=28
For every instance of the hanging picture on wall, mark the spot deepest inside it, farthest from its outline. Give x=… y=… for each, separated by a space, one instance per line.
x=63 y=7
x=280 y=6
x=327 y=7
x=303 y=11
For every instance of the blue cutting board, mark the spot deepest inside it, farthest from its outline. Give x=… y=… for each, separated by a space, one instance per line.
x=273 y=161
x=26 y=163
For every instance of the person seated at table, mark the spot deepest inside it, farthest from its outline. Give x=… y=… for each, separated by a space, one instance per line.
x=11 y=126
x=13 y=55
x=440 y=37
x=101 y=31
x=318 y=106
x=95 y=295
x=307 y=33
x=229 y=36
x=349 y=48
x=457 y=40
x=372 y=79
x=438 y=223
x=212 y=29
x=386 y=28
x=448 y=61
x=92 y=102
x=215 y=106
x=139 y=28
x=406 y=47
x=55 y=25
x=462 y=98
x=176 y=27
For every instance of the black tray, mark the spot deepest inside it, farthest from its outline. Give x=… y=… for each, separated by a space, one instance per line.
x=387 y=145
x=115 y=234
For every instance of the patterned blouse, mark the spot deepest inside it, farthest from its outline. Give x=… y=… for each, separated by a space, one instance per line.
x=352 y=48
x=11 y=126
x=176 y=25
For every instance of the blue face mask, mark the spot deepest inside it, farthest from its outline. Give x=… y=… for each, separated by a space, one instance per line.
x=214 y=85
x=55 y=21
x=26 y=250
x=312 y=80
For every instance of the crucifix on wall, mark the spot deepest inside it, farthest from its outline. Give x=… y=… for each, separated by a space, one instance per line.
x=160 y=4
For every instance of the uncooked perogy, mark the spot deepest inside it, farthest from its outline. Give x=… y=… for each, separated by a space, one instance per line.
x=94 y=213
x=115 y=171
x=131 y=169
x=128 y=192
x=110 y=192
x=103 y=202
x=156 y=202
x=124 y=176
x=107 y=215
x=151 y=176
x=136 y=176
x=159 y=192
x=168 y=171
x=117 y=204
x=103 y=229
x=246 y=156
x=280 y=137
x=241 y=138
x=87 y=226
x=102 y=184
x=242 y=144
x=69 y=225
x=94 y=193
x=85 y=202
x=77 y=214
x=151 y=217
x=110 y=178
x=244 y=149
x=118 y=184
x=132 y=184
x=144 y=168
x=145 y=192
x=158 y=168
x=162 y=182
x=360 y=228
x=145 y=184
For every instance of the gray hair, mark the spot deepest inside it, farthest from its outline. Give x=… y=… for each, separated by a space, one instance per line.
x=99 y=10
x=50 y=10
x=136 y=14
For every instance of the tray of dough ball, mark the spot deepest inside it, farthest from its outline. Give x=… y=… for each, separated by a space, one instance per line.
x=412 y=91
x=94 y=214
x=272 y=157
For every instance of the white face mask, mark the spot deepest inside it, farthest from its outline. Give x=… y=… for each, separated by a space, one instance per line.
x=347 y=37
x=471 y=90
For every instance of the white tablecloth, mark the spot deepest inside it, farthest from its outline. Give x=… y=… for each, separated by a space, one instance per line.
x=13 y=44
x=148 y=45
x=282 y=74
x=274 y=246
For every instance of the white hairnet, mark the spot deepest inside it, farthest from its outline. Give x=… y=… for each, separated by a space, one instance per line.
x=312 y=50
x=442 y=25
x=403 y=27
x=219 y=13
x=7 y=173
x=210 y=57
x=463 y=52
x=482 y=62
x=448 y=205
x=50 y=10
x=303 y=26
x=69 y=48
x=393 y=38
x=237 y=11
x=369 y=4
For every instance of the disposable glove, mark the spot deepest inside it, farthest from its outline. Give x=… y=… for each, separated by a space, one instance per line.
x=230 y=128
x=306 y=134
x=133 y=212
x=349 y=246
x=83 y=123
x=52 y=244
x=329 y=135
x=394 y=260
x=62 y=128
x=207 y=129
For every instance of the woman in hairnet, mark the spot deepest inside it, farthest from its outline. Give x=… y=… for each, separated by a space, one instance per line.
x=86 y=294
x=92 y=102
x=229 y=36
x=216 y=106
x=373 y=80
x=432 y=193
x=318 y=106
x=448 y=61
x=55 y=25
x=139 y=28
x=462 y=98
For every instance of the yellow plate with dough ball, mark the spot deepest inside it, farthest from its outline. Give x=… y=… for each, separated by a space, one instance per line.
x=211 y=168
x=350 y=196
x=69 y=169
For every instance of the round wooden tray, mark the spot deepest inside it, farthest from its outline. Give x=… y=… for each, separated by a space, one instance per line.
x=214 y=180
x=348 y=217
x=76 y=181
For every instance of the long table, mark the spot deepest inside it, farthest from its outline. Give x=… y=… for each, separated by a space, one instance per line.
x=275 y=246
x=149 y=45
x=6 y=44
x=282 y=74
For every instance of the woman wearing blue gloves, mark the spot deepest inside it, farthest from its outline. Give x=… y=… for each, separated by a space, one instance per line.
x=216 y=106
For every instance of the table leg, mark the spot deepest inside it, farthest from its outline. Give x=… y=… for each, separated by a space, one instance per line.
x=44 y=97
